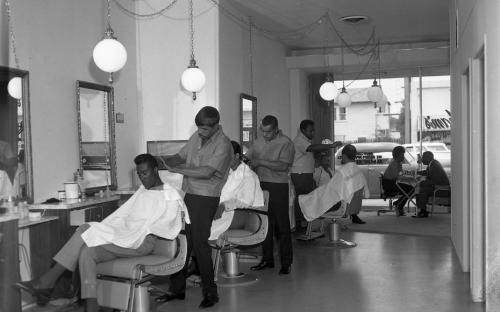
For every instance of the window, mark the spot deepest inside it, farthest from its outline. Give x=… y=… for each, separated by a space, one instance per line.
x=339 y=113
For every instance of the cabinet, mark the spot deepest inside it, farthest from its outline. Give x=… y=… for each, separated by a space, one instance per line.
x=10 y=300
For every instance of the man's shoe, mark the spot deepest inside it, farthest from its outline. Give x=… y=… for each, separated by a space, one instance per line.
x=356 y=219
x=169 y=297
x=422 y=214
x=42 y=295
x=262 y=265
x=285 y=270
x=209 y=301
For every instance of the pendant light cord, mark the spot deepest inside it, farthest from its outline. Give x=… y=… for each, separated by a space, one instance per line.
x=11 y=33
x=191 y=28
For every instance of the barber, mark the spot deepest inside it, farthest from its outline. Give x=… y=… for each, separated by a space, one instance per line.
x=204 y=161
x=271 y=156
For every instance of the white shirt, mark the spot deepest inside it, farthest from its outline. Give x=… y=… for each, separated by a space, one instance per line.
x=303 y=161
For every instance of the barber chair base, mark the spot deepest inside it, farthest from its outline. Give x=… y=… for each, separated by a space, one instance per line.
x=334 y=240
x=240 y=279
x=310 y=234
x=115 y=294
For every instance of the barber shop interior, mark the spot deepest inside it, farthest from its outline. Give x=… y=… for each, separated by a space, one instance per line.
x=341 y=153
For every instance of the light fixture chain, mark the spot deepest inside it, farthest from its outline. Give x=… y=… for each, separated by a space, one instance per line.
x=191 y=27
x=11 y=33
x=154 y=14
x=109 y=14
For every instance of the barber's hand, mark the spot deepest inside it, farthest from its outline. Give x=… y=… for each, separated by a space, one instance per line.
x=219 y=212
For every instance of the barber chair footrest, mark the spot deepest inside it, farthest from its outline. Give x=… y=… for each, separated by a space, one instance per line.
x=311 y=236
x=241 y=279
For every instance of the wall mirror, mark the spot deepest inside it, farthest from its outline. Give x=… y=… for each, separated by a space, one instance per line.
x=16 y=174
x=96 y=134
x=248 y=121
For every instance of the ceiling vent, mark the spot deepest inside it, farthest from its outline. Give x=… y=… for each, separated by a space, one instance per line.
x=354 y=19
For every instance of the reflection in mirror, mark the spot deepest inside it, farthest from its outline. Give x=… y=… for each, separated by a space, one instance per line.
x=96 y=134
x=248 y=121
x=16 y=178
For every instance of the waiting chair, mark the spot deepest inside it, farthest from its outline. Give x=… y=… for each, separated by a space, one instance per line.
x=122 y=283
x=248 y=228
x=386 y=195
x=441 y=196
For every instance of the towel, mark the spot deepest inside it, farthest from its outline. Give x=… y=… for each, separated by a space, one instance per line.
x=242 y=190
x=345 y=182
x=158 y=212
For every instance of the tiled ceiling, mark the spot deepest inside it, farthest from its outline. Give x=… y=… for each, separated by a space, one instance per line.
x=394 y=21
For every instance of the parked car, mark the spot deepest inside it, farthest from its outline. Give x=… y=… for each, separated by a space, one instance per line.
x=373 y=159
x=440 y=150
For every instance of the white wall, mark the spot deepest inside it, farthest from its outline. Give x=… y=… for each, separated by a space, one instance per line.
x=271 y=78
x=167 y=111
x=55 y=39
x=478 y=22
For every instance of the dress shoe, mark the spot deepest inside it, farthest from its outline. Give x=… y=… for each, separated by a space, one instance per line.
x=356 y=219
x=169 y=297
x=209 y=301
x=285 y=270
x=422 y=214
x=42 y=295
x=262 y=265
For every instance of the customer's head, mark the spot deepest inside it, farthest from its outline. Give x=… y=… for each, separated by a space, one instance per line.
x=427 y=157
x=398 y=153
x=348 y=154
x=207 y=121
x=307 y=128
x=147 y=170
x=269 y=127
x=236 y=154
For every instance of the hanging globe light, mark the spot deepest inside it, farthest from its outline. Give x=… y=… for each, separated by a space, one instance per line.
x=109 y=54
x=328 y=91
x=375 y=93
x=343 y=99
x=15 y=88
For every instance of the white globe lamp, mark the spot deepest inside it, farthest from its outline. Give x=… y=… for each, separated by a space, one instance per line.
x=193 y=79
x=343 y=99
x=110 y=55
x=328 y=91
x=15 y=88
x=375 y=93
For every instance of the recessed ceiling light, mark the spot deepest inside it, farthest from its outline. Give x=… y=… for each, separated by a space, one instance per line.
x=354 y=19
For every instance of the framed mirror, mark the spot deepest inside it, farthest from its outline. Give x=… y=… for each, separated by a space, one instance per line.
x=248 y=121
x=96 y=135
x=16 y=170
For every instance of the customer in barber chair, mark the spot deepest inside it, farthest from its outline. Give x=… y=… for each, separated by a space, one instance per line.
x=347 y=180
x=434 y=175
x=155 y=210
x=390 y=177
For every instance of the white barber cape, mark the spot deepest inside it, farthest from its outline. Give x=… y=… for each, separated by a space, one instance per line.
x=345 y=182
x=242 y=190
x=157 y=212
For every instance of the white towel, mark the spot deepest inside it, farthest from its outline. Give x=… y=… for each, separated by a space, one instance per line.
x=345 y=182
x=157 y=212
x=242 y=190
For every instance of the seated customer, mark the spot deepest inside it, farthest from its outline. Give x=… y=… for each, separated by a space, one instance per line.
x=391 y=174
x=347 y=180
x=323 y=173
x=131 y=231
x=435 y=175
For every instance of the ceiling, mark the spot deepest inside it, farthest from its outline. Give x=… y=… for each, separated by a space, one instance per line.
x=394 y=21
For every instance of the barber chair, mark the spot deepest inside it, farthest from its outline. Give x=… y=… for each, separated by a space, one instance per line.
x=332 y=217
x=441 y=197
x=122 y=283
x=248 y=228
x=386 y=195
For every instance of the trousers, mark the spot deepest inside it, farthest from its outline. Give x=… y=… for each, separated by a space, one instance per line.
x=201 y=211
x=303 y=183
x=76 y=252
x=279 y=224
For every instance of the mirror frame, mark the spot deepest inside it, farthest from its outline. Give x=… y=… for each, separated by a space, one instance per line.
x=111 y=132
x=25 y=102
x=253 y=136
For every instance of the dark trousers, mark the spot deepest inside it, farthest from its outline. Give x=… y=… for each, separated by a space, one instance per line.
x=201 y=211
x=423 y=196
x=390 y=189
x=279 y=223
x=303 y=183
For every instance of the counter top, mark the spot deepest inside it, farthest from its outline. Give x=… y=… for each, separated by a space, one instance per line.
x=70 y=204
x=23 y=223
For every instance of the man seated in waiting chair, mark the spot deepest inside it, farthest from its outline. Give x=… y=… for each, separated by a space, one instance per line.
x=155 y=210
x=434 y=175
x=391 y=174
x=347 y=180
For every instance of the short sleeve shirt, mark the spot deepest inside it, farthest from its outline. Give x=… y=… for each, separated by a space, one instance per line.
x=393 y=170
x=278 y=149
x=215 y=153
x=303 y=161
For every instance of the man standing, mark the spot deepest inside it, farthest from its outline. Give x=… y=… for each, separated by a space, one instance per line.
x=435 y=175
x=271 y=156
x=204 y=161
x=303 y=166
